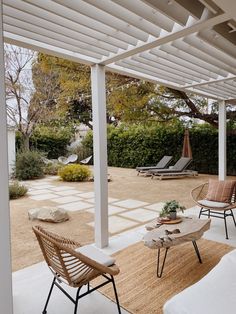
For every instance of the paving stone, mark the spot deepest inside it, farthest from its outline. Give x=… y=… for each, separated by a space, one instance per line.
x=140 y=214
x=67 y=199
x=76 y=206
x=157 y=206
x=130 y=203
x=43 y=197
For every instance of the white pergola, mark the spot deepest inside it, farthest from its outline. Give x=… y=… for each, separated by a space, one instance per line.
x=182 y=44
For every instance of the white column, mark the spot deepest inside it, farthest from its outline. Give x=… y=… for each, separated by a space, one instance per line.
x=222 y=141
x=100 y=154
x=6 y=306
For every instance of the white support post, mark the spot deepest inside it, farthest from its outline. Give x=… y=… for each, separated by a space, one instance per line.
x=6 y=302
x=222 y=141
x=100 y=155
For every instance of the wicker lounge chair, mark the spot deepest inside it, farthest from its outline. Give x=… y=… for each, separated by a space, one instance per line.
x=163 y=163
x=74 y=265
x=213 y=208
x=178 y=170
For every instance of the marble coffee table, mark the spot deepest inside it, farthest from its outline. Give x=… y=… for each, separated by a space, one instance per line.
x=191 y=229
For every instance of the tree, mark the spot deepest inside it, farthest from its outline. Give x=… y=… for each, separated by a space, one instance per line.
x=72 y=87
x=128 y=99
x=147 y=102
x=24 y=109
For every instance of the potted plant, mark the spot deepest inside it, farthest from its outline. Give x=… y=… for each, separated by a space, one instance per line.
x=170 y=209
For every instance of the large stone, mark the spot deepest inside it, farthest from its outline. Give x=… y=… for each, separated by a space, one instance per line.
x=50 y=214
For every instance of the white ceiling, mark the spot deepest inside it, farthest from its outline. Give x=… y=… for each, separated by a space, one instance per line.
x=187 y=45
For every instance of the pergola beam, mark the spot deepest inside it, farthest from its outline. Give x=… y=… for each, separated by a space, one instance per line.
x=185 y=31
x=143 y=76
x=224 y=79
x=46 y=48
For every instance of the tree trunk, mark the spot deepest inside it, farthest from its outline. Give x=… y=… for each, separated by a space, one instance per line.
x=26 y=138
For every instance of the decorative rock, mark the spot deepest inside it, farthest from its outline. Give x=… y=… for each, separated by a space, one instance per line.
x=50 y=214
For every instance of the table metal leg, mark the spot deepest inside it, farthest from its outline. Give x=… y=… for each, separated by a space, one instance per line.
x=197 y=251
x=160 y=268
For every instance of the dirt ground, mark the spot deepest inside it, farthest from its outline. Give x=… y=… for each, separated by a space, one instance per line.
x=125 y=184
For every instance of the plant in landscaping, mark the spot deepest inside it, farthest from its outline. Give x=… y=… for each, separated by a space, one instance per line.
x=16 y=190
x=171 y=207
x=29 y=165
x=74 y=173
x=52 y=168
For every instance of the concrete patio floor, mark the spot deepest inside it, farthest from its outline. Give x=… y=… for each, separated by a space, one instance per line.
x=133 y=201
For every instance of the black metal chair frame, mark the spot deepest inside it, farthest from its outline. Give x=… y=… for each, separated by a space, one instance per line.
x=160 y=266
x=218 y=214
x=57 y=282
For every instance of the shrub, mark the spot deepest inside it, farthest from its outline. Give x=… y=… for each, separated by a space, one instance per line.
x=52 y=140
x=29 y=165
x=16 y=190
x=74 y=173
x=52 y=168
x=132 y=146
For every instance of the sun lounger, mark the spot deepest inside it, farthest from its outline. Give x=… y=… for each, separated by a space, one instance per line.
x=163 y=163
x=178 y=170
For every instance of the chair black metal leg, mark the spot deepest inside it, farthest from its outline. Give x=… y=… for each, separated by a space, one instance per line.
x=116 y=295
x=49 y=295
x=199 y=216
x=209 y=214
x=233 y=217
x=88 y=287
x=160 y=269
x=77 y=300
x=197 y=251
x=226 y=230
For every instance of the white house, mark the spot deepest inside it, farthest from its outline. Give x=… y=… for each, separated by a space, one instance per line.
x=11 y=139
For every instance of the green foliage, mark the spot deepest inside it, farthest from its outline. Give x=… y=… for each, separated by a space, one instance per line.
x=29 y=165
x=16 y=190
x=171 y=207
x=74 y=173
x=132 y=146
x=52 y=168
x=19 y=141
x=81 y=151
x=52 y=140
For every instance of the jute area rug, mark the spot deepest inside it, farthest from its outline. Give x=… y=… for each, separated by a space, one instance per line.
x=140 y=291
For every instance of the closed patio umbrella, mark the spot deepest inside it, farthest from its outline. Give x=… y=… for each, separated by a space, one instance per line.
x=186 y=152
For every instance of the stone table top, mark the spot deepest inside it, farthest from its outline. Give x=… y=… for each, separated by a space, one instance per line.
x=191 y=229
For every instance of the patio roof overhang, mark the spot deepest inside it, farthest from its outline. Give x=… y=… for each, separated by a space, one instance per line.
x=186 y=45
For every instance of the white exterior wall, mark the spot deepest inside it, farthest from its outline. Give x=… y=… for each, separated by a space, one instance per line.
x=11 y=135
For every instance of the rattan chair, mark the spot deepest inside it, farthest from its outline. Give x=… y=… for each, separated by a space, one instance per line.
x=71 y=267
x=213 y=208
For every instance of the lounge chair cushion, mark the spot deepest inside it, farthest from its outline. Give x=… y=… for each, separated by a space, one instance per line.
x=213 y=204
x=220 y=191
x=96 y=255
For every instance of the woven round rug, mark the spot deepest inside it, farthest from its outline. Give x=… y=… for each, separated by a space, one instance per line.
x=139 y=289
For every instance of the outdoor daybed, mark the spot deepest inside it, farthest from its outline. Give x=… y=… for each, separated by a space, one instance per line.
x=213 y=294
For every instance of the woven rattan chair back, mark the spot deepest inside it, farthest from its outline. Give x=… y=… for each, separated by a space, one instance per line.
x=63 y=260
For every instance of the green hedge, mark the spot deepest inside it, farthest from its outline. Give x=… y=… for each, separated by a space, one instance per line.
x=140 y=146
x=52 y=141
